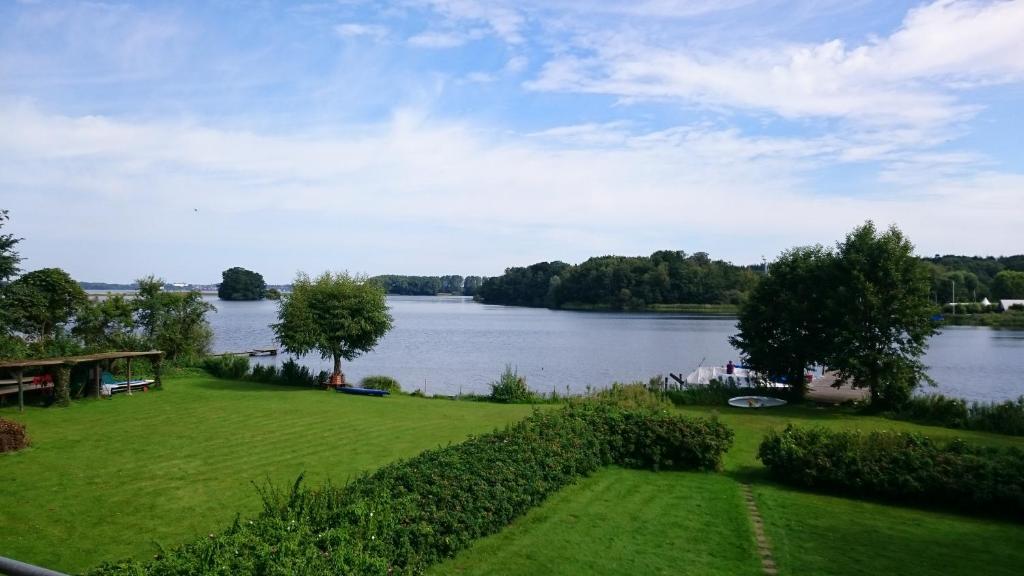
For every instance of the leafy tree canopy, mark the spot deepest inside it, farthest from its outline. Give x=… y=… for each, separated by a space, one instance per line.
x=862 y=309
x=41 y=301
x=1008 y=284
x=782 y=326
x=337 y=315
x=241 y=284
x=174 y=322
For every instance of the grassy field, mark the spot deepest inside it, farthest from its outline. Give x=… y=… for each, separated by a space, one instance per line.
x=694 y=523
x=108 y=479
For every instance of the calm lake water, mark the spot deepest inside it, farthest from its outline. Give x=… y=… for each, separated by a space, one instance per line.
x=452 y=344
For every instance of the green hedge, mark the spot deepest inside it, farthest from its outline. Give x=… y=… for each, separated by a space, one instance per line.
x=413 y=513
x=898 y=466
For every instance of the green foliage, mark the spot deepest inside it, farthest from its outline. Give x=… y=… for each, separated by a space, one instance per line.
x=107 y=324
x=635 y=396
x=471 y=285
x=900 y=466
x=935 y=409
x=973 y=276
x=230 y=366
x=879 y=319
x=420 y=285
x=9 y=259
x=510 y=388
x=273 y=294
x=291 y=373
x=174 y=322
x=783 y=325
x=863 y=310
x=1008 y=285
x=381 y=383
x=337 y=315
x=42 y=301
x=617 y=282
x=412 y=514
x=241 y=284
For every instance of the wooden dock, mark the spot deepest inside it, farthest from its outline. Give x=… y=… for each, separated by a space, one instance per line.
x=253 y=352
x=821 y=390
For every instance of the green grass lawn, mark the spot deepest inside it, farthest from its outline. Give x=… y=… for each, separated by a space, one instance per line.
x=625 y=522
x=108 y=479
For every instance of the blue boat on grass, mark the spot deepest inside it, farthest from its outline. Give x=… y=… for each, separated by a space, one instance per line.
x=361 y=391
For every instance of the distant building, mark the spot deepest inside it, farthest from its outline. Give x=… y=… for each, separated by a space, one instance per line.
x=1005 y=304
x=985 y=302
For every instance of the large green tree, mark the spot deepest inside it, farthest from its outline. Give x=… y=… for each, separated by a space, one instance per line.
x=241 y=284
x=9 y=259
x=782 y=326
x=862 y=309
x=42 y=301
x=1008 y=284
x=174 y=322
x=337 y=315
x=878 y=314
x=107 y=324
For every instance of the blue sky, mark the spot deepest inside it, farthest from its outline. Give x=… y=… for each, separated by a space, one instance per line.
x=464 y=136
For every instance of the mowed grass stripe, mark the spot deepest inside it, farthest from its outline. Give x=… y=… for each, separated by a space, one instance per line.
x=624 y=522
x=107 y=479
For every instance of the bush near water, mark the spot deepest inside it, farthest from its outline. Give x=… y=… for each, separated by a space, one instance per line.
x=935 y=409
x=411 y=514
x=899 y=466
x=379 y=382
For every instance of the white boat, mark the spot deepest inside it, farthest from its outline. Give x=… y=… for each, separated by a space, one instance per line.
x=740 y=377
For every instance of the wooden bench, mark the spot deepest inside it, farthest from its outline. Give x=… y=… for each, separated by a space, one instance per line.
x=28 y=385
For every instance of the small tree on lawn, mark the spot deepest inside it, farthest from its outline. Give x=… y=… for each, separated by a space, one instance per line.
x=337 y=315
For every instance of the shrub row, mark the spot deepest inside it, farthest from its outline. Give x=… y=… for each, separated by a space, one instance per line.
x=899 y=466
x=1003 y=417
x=291 y=373
x=413 y=513
x=12 y=436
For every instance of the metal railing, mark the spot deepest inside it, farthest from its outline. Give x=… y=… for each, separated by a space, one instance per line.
x=16 y=568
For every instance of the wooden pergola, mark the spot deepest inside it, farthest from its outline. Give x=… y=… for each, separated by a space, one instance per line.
x=65 y=363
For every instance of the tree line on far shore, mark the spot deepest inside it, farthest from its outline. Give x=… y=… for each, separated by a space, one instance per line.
x=621 y=282
x=670 y=277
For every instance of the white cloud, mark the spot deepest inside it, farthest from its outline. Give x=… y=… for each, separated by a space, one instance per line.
x=438 y=39
x=902 y=80
x=356 y=30
x=597 y=184
x=504 y=20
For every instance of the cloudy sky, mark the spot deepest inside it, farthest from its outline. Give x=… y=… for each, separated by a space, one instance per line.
x=464 y=136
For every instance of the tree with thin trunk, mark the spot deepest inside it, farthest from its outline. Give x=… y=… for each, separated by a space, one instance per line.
x=337 y=315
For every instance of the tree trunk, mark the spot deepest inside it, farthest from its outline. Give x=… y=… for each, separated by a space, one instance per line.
x=337 y=378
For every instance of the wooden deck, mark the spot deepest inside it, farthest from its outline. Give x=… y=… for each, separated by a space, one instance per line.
x=822 y=391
